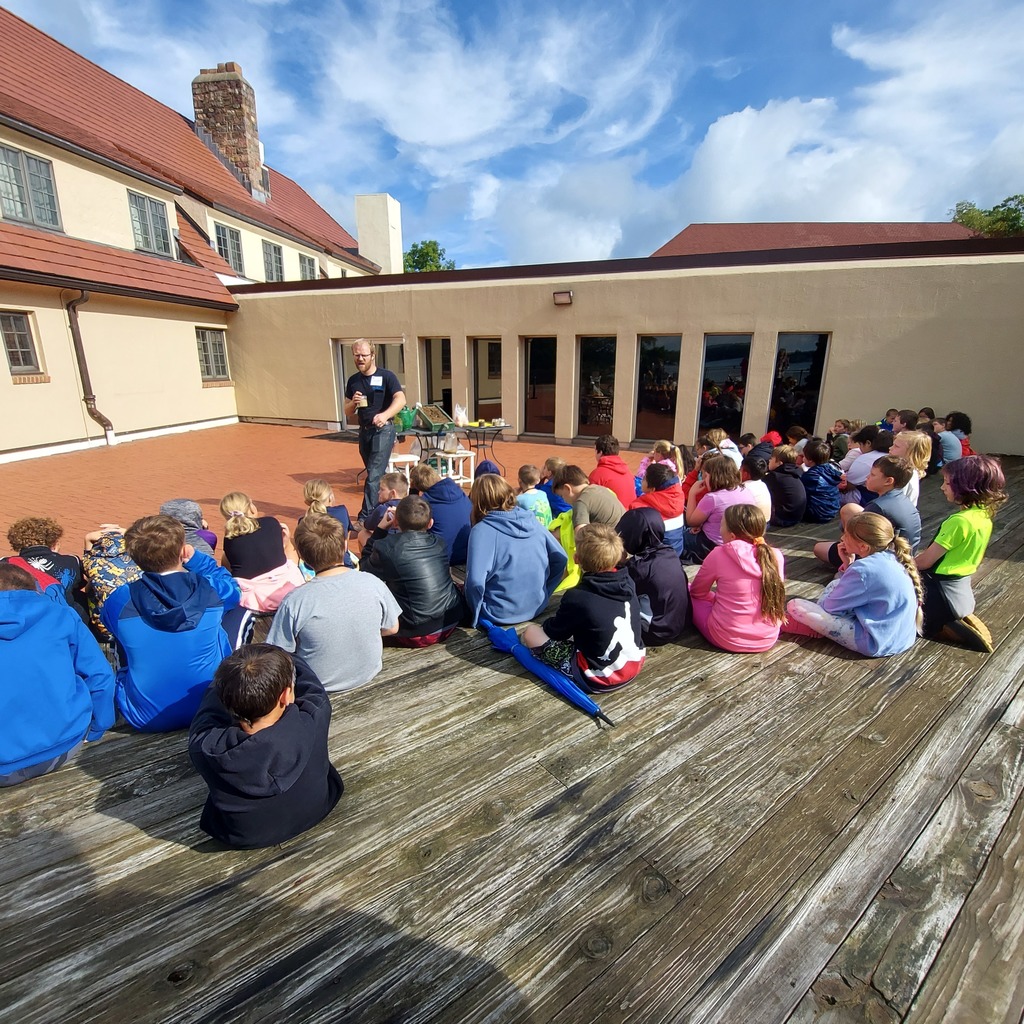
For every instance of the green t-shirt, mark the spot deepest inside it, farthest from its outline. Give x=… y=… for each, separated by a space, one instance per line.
x=965 y=536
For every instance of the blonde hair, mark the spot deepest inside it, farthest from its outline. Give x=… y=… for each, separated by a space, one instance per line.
x=553 y=465
x=720 y=473
x=423 y=476
x=234 y=507
x=919 y=449
x=877 y=532
x=490 y=493
x=317 y=495
x=747 y=522
x=598 y=548
x=856 y=425
x=715 y=436
x=667 y=450
x=784 y=453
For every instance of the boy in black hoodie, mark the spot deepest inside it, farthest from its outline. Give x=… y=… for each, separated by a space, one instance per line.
x=786 y=486
x=594 y=637
x=259 y=740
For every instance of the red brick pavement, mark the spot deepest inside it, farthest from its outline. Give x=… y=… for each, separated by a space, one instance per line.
x=270 y=463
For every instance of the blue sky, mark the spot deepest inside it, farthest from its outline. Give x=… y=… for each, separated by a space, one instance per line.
x=525 y=132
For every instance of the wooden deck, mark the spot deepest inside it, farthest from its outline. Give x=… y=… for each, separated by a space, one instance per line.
x=802 y=836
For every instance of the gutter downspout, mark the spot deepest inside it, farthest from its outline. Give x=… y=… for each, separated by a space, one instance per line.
x=83 y=368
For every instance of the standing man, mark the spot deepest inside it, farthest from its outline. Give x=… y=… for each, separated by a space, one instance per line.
x=374 y=395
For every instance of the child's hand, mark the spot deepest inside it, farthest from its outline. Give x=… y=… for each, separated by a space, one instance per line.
x=846 y=558
x=187 y=552
x=387 y=521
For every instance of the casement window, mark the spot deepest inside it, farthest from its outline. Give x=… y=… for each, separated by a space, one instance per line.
x=213 y=358
x=26 y=189
x=307 y=267
x=18 y=343
x=229 y=245
x=273 y=265
x=149 y=224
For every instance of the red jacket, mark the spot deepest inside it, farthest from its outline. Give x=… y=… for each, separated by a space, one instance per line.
x=612 y=472
x=668 y=503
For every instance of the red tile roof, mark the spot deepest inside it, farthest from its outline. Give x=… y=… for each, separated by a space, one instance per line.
x=47 y=86
x=45 y=257
x=199 y=248
x=699 y=239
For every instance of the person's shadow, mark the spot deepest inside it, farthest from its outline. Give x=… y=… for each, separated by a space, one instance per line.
x=261 y=941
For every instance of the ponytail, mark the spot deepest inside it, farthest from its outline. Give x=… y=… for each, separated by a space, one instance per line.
x=677 y=457
x=877 y=532
x=234 y=507
x=316 y=494
x=901 y=549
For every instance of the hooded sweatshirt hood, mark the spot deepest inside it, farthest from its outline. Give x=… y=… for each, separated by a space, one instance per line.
x=612 y=472
x=186 y=511
x=20 y=611
x=173 y=603
x=641 y=529
x=517 y=522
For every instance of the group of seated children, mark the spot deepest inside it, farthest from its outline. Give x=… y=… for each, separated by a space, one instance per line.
x=175 y=615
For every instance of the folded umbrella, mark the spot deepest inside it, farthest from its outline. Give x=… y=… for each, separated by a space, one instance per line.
x=508 y=640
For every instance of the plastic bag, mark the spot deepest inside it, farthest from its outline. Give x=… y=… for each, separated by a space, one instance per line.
x=461 y=416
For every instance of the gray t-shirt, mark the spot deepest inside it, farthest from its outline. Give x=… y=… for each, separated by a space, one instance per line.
x=334 y=623
x=597 y=504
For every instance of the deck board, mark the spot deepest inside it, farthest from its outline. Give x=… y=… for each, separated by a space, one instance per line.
x=729 y=852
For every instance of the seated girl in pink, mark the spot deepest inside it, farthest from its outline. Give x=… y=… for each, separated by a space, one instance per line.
x=718 y=488
x=746 y=608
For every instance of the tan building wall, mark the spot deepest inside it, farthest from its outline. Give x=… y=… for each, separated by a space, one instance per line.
x=945 y=332
x=142 y=359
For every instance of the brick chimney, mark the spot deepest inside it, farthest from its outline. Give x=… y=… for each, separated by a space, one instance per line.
x=225 y=107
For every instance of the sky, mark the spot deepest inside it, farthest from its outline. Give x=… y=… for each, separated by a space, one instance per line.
x=520 y=131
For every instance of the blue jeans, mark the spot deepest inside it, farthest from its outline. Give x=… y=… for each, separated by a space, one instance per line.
x=375 y=451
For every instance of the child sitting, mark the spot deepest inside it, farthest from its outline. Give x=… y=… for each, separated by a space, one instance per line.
x=392 y=489
x=167 y=624
x=976 y=484
x=657 y=574
x=336 y=621
x=413 y=564
x=821 y=482
x=58 y=688
x=666 y=453
x=532 y=499
x=916 y=447
x=318 y=497
x=786 y=486
x=259 y=554
x=661 y=491
x=873 y=606
x=259 y=740
x=37 y=541
x=449 y=506
x=190 y=515
x=873 y=444
x=753 y=470
x=611 y=470
x=595 y=636
x=710 y=497
x=744 y=611
x=591 y=503
x=551 y=467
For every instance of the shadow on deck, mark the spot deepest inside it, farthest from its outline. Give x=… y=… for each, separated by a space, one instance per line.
x=803 y=835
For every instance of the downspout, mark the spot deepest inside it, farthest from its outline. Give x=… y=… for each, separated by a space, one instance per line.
x=83 y=368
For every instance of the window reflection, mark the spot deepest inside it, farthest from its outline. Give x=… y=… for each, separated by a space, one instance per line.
x=657 y=386
x=724 y=382
x=796 y=385
x=540 y=386
x=597 y=386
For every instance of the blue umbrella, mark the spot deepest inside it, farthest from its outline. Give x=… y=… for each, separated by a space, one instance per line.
x=508 y=640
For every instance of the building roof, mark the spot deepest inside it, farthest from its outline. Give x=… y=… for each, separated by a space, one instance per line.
x=50 y=258
x=50 y=88
x=197 y=246
x=707 y=238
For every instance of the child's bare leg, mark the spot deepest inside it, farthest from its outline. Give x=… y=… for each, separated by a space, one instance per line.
x=533 y=636
x=846 y=512
x=821 y=550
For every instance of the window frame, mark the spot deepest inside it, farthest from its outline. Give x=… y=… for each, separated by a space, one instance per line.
x=216 y=340
x=310 y=263
x=30 y=343
x=273 y=262
x=230 y=247
x=148 y=206
x=22 y=181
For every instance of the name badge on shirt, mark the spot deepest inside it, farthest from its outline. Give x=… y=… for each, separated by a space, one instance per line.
x=376 y=382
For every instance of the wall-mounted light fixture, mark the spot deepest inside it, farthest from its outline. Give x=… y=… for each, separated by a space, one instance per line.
x=562 y=298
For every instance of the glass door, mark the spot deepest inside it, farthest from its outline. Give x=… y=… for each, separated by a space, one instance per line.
x=796 y=385
x=724 y=382
x=657 y=386
x=486 y=375
x=597 y=386
x=539 y=407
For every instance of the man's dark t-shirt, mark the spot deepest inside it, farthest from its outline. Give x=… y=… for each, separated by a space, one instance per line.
x=379 y=387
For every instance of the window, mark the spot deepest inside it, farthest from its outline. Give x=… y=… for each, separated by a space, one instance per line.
x=657 y=386
x=273 y=267
x=149 y=224
x=724 y=381
x=597 y=386
x=307 y=267
x=21 y=350
x=229 y=245
x=494 y=359
x=446 y=357
x=213 y=360
x=799 y=366
x=26 y=189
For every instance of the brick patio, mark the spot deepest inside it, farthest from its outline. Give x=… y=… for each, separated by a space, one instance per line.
x=271 y=463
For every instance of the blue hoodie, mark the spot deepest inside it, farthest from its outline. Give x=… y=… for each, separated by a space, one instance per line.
x=512 y=568
x=58 y=688
x=168 y=629
x=450 y=510
x=822 y=486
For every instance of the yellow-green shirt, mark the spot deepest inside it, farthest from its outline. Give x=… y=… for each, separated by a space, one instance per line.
x=965 y=536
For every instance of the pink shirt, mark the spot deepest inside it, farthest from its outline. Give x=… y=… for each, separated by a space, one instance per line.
x=734 y=622
x=714 y=504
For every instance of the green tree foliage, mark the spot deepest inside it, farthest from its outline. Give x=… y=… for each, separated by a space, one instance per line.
x=426 y=255
x=1004 y=220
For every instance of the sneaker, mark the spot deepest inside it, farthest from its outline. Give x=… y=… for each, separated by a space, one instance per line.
x=969 y=632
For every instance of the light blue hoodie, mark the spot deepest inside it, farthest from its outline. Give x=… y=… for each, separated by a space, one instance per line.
x=512 y=568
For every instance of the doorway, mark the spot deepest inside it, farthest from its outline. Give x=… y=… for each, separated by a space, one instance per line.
x=539 y=406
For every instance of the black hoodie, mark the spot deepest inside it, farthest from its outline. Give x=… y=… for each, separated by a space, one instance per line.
x=272 y=785
x=659 y=578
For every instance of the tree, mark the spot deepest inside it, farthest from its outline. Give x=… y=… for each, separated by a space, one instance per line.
x=426 y=255
x=1004 y=220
